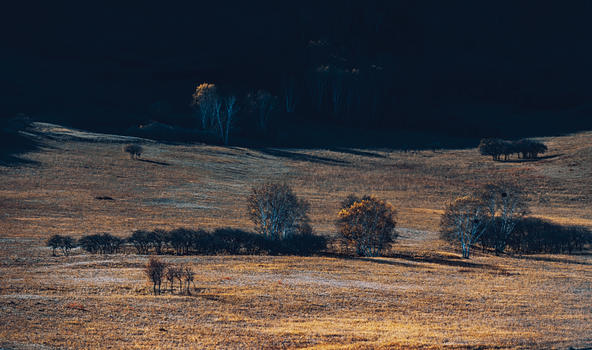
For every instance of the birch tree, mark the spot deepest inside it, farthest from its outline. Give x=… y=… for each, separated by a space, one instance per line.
x=464 y=221
x=276 y=211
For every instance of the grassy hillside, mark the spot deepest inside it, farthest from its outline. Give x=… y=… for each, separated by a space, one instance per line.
x=425 y=296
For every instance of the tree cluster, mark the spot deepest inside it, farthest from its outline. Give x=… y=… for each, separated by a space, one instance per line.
x=488 y=214
x=495 y=217
x=65 y=243
x=101 y=243
x=158 y=271
x=525 y=148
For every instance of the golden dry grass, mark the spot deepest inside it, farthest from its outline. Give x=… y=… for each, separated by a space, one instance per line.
x=425 y=297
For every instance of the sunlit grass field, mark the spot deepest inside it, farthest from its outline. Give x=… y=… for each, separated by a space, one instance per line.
x=425 y=296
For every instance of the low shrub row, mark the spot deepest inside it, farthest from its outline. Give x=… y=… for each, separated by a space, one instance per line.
x=185 y=241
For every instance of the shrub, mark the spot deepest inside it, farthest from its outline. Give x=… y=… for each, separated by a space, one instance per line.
x=139 y=239
x=155 y=272
x=276 y=211
x=366 y=223
x=182 y=239
x=534 y=235
x=65 y=243
x=233 y=241
x=101 y=243
x=304 y=244
x=135 y=151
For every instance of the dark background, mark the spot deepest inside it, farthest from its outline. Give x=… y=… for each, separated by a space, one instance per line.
x=456 y=68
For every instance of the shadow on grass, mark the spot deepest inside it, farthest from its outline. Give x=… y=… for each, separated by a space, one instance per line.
x=553 y=259
x=13 y=145
x=153 y=162
x=445 y=260
x=358 y=152
x=302 y=157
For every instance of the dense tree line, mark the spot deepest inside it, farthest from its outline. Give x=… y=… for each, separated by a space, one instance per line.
x=185 y=241
x=525 y=148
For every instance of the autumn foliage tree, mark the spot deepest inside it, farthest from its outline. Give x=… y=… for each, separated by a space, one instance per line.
x=367 y=223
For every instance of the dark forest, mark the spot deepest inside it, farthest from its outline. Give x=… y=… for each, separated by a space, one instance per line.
x=455 y=68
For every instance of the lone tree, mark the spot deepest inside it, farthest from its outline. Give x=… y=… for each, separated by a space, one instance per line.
x=155 y=272
x=65 y=243
x=135 y=151
x=506 y=204
x=276 y=211
x=188 y=276
x=171 y=274
x=464 y=221
x=367 y=223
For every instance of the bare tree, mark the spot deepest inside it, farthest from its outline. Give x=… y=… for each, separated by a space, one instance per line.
x=264 y=105
x=464 y=221
x=289 y=96
x=226 y=118
x=276 y=210
x=171 y=275
x=188 y=276
x=155 y=272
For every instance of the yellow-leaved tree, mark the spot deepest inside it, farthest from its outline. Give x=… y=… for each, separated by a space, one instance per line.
x=367 y=224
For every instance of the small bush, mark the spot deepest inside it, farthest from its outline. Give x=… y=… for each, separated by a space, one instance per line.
x=65 y=243
x=135 y=151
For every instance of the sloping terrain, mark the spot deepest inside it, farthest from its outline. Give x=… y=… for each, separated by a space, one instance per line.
x=425 y=296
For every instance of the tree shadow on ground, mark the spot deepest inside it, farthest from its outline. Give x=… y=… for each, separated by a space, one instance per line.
x=553 y=259
x=153 y=162
x=302 y=157
x=446 y=260
x=357 y=152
